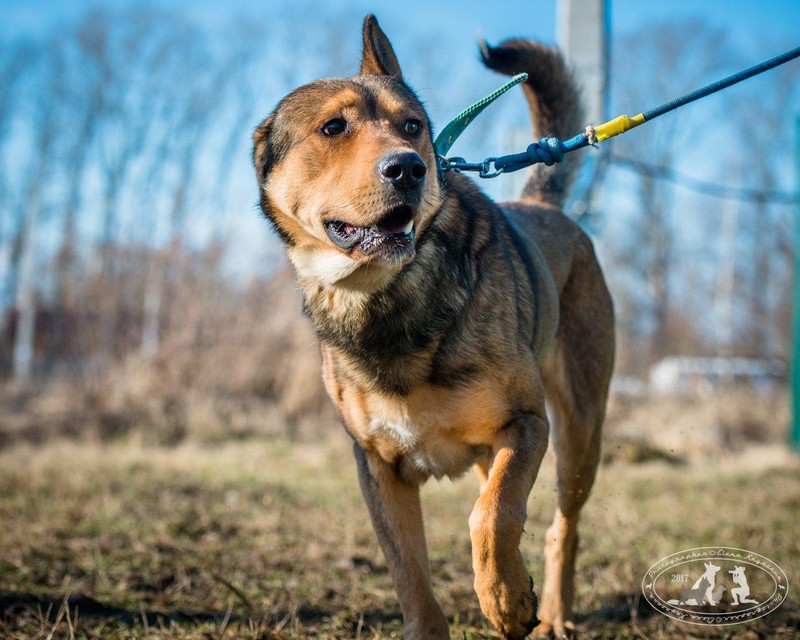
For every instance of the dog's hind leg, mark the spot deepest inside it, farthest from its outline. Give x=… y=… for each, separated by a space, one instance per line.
x=396 y=514
x=481 y=468
x=576 y=377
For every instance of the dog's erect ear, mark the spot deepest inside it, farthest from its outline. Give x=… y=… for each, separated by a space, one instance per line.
x=260 y=140
x=378 y=57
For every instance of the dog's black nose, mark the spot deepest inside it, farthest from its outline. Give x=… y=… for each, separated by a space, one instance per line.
x=403 y=170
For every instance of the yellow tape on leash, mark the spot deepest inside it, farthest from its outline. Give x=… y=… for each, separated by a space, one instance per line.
x=616 y=126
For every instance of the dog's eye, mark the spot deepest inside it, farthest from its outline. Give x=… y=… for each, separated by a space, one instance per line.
x=412 y=127
x=335 y=127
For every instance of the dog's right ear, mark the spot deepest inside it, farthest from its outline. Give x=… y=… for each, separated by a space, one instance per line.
x=260 y=143
x=378 y=57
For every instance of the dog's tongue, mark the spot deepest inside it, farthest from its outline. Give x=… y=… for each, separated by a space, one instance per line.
x=392 y=228
x=398 y=220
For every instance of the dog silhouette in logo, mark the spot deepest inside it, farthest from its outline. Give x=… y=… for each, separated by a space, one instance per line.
x=703 y=589
x=742 y=591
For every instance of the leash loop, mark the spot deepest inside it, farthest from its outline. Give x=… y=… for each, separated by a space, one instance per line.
x=548 y=151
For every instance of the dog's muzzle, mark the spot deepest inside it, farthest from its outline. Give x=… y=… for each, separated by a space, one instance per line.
x=392 y=235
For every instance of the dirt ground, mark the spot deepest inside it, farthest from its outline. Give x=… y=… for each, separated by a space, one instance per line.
x=270 y=539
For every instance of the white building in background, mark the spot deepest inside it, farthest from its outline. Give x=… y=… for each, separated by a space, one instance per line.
x=675 y=375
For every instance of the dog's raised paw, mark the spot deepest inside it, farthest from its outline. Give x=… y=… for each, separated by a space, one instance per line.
x=514 y=618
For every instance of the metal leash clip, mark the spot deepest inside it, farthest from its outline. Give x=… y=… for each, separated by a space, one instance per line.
x=485 y=169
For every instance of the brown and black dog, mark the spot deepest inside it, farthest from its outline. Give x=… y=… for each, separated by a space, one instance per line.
x=446 y=321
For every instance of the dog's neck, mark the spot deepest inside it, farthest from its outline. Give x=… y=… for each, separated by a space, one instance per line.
x=393 y=332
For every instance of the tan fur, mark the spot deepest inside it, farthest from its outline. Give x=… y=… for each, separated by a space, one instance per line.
x=441 y=356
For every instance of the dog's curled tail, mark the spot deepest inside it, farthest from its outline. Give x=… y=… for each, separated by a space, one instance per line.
x=556 y=108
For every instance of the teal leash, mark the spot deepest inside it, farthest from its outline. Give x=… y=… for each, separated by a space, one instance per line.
x=457 y=125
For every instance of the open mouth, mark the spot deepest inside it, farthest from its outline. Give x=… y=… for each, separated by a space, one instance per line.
x=394 y=230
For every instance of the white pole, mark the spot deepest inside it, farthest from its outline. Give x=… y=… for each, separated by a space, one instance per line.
x=582 y=34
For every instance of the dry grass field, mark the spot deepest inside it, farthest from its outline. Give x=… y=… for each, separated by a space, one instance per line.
x=269 y=539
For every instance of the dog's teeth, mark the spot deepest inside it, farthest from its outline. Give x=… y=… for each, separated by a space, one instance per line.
x=374 y=227
x=409 y=227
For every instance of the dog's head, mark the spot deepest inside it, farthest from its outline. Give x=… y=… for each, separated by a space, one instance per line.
x=347 y=171
x=711 y=568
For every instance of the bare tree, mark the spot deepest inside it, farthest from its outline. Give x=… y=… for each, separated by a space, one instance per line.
x=768 y=102
x=187 y=135
x=44 y=125
x=17 y=59
x=651 y=76
x=82 y=112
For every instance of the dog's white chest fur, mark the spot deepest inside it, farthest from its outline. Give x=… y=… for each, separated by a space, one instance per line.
x=425 y=450
x=402 y=431
x=432 y=432
x=323 y=267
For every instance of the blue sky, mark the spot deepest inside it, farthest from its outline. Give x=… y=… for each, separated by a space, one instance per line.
x=749 y=20
x=458 y=24
x=758 y=29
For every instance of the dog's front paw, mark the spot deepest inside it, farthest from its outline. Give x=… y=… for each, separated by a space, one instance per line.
x=509 y=602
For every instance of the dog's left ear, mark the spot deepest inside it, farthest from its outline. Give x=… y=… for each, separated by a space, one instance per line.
x=260 y=141
x=378 y=57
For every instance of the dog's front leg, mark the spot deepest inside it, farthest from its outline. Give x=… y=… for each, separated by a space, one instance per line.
x=396 y=514
x=504 y=588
